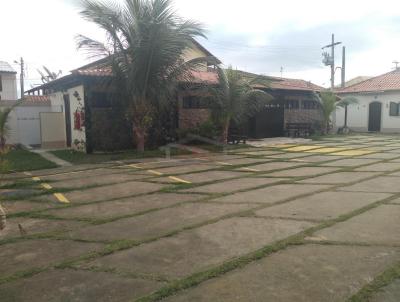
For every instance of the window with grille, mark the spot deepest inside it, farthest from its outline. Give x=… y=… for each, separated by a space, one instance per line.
x=394 y=109
x=195 y=102
x=309 y=105
x=291 y=104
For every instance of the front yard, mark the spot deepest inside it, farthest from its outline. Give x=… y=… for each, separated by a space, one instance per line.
x=24 y=160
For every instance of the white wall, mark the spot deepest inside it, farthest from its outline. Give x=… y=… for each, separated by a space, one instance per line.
x=76 y=104
x=57 y=105
x=9 y=85
x=24 y=124
x=358 y=114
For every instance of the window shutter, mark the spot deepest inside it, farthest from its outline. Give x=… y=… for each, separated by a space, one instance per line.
x=394 y=109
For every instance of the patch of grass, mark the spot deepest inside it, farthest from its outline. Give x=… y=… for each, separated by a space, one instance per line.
x=382 y=280
x=76 y=157
x=21 y=274
x=24 y=160
x=226 y=267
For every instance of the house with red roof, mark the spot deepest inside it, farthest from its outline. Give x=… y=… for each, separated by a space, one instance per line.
x=378 y=106
x=294 y=102
x=85 y=107
x=86 y=116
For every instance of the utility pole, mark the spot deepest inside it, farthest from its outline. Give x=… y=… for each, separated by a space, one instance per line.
x=343 y=67
x=21 y=76
x=330 y=59
x=281 y=72
x=396 y=63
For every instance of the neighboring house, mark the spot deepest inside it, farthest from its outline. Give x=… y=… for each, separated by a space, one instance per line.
x=86 y=100
x=294 y=102
x=8 y=82
x=25 y=120
x=378 y=107
x=356 y=80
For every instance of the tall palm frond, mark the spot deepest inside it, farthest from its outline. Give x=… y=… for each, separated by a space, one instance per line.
x=329 y=101
x=145 y=42
x=47 y=75
x=236 y=98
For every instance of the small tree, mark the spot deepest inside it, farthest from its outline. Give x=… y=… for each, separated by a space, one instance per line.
x=329 y=103
x=235 y=98
x=344 y=103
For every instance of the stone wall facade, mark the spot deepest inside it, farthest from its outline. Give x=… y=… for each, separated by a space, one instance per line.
x=190 y=118
x=312 y=116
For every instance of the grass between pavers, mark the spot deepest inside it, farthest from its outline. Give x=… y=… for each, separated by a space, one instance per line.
x=76 y=157
x=198 y=277
x=24 y=160
x=176 y=189
x=130 y=244
x=379 y=282
x=22 y=274
x=20 y=184
x=297 y=239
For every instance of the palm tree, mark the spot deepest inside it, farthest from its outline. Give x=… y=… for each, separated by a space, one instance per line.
x=344 y=103
x=236 y=99
x=47 y=75
x=329 y=102
x=146 y=40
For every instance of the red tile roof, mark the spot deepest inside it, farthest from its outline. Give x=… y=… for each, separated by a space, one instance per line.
x=93 y=71
x=291 y=84
x=208 y=77
x=384 y=82
x=294 y=84
x=36 y=99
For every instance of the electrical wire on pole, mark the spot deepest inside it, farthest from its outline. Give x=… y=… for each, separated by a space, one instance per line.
x=329 y=60
x=22 y=74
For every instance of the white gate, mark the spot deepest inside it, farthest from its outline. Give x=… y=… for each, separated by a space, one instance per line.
x=52 y=127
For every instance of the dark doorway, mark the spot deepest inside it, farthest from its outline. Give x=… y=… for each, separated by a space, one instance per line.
x=267 y=123
x=375 y=113
x=67 y=118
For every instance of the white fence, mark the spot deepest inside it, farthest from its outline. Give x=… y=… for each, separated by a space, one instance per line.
x=25 y=124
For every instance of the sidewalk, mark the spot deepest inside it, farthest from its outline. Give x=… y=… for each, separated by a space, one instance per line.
x=51 y=157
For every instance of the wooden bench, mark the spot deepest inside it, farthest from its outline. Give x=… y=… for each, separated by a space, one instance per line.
x=235 y=139
x=298 y=129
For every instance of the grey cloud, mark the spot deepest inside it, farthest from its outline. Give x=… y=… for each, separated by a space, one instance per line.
x=296 y=50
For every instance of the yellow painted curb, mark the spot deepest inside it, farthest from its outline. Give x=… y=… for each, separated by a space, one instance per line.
x=133 y=166
x=61 y=198
x=303 y=148
x=179 y=179
x=154 y=172
x=47 y=186
x=326 y=150
x=353 y=152
x=223 y=163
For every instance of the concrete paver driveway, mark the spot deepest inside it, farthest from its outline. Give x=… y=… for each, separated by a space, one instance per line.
x=309 y=222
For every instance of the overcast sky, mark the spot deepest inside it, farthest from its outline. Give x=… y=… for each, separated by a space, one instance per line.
x=254 y=35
